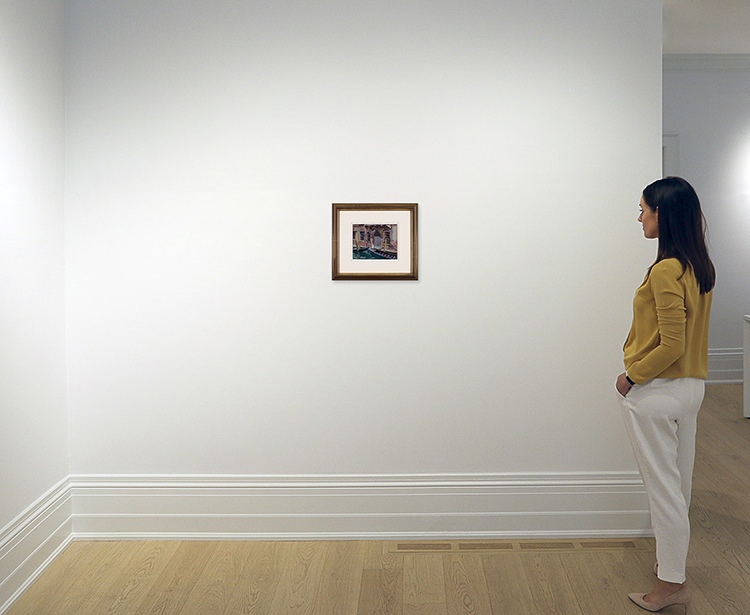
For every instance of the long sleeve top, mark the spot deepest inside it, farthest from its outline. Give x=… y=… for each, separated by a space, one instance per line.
x=669 y=334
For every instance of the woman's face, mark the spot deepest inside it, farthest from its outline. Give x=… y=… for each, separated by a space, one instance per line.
x=649 y=218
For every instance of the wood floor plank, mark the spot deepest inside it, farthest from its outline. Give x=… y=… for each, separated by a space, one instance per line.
x=705 y=544
x=258 y=580
x=132 y=581
x=714 y=446
x=726 y=403
x=549 y=584
x=424 y=584
x=303 y=570
x=381 y=592
x=725 y=443
x=728 y=536
x=341 y=580
x=507 y=585
x=466 y=585
x=177 y=579
x=701 y=603
x=379 y=557
x=58 y=579
x=591 y=583
x=219 y=580
x=92 y=586
x=725 y=594
x=425 y=609
x=628 y=572
x=717 y=472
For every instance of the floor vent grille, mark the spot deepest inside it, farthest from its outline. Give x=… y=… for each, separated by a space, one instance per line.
x=522 y=546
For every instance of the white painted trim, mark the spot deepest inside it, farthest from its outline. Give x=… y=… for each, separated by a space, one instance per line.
x=670 y=154
x=354 y=480
x=746 y=365
x=359 y=507
x=711 y=61
x=725 y=366
x=33 y=540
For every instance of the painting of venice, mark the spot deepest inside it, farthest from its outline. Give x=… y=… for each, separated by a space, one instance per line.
x=375 y=241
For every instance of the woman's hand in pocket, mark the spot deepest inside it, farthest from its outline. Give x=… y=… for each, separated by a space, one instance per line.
x=622 y=385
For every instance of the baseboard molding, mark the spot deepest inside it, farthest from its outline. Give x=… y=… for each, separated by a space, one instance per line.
x=33 y=540
x=725 y=366
x=707 y=61
x=359 y=507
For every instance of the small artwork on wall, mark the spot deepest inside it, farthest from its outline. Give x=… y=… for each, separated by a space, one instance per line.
x=374 y=241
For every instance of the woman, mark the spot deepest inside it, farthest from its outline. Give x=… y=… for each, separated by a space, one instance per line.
x=666 y=362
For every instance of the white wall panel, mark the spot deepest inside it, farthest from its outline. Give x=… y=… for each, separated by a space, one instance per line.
x=707 y=103
x=206 y=143
x=33 y=421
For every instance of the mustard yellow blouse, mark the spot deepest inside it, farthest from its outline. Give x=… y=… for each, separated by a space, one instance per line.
x=669 y=334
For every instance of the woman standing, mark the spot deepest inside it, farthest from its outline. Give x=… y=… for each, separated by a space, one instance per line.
x=666 y=362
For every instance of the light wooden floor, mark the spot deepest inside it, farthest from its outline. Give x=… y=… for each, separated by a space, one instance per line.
x=368 y=578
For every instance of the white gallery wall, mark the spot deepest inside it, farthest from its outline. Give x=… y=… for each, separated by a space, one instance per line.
x=33 y=420
x=707 y=120
x=33 y=424
x=207 y=343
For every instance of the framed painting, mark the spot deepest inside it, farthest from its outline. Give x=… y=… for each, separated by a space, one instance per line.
x=374 y=241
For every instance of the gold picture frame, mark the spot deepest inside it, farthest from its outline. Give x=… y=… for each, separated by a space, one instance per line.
x=374 y=241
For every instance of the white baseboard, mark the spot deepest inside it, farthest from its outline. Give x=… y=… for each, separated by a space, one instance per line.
x=359 y=507
x=32 y=541
x=725 y=366
x=707 y=61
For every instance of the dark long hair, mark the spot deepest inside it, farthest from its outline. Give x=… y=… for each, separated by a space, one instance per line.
x=682 y=228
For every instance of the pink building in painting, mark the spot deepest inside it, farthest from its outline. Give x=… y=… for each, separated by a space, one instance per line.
x=380 y=239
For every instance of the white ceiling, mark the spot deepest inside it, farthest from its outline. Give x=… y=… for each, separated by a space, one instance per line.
x=706 y=26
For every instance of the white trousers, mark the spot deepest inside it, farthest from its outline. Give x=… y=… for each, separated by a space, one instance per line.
x=660 y=417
